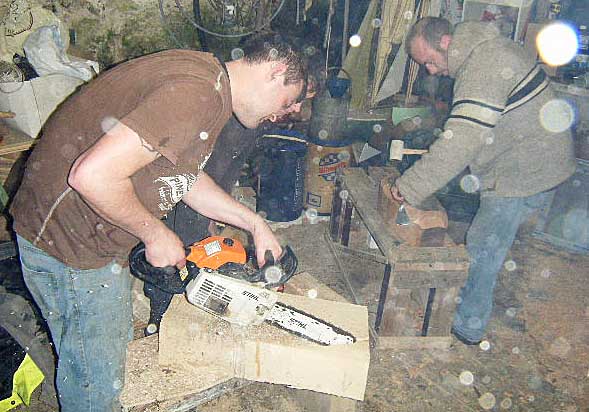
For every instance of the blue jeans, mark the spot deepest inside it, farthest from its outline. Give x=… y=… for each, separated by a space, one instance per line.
x=90 y=319
x=488 y=240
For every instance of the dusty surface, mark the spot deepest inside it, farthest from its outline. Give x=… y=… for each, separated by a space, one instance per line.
x=539 y=344
x=537 y=358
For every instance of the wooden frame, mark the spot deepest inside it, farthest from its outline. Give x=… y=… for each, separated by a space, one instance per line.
x=420 y=285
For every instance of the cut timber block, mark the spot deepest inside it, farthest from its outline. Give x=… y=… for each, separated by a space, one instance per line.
x=147 y=382
x=190 y=337
x=427 y=227
x=303 y=282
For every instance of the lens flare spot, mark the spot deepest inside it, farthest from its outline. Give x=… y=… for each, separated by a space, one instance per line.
x=557 y=115
x=557 y=44
x=355 y=40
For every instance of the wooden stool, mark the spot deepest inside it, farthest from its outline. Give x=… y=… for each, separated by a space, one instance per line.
x=420 y=285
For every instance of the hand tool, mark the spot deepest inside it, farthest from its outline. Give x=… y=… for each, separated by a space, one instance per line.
x=402 y=218
x=397 y=150
x=7 y=115
x=217 y=280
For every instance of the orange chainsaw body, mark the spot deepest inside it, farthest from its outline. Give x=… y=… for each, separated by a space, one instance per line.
x=214 y=251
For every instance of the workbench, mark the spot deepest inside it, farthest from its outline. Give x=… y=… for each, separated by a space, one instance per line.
x=419 y=285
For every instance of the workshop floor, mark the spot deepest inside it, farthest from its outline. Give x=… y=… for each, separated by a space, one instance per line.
x=538 y=358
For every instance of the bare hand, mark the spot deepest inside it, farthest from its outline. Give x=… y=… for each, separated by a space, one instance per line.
x=397 y=194
x=165 y=249
x=265 y=240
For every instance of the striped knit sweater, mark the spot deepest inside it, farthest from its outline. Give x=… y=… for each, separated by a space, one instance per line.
x=506 y=123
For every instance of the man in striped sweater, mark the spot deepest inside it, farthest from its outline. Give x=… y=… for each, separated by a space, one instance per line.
x=507 y=126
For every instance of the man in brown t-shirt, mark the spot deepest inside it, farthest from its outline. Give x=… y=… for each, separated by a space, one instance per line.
x=114 y=159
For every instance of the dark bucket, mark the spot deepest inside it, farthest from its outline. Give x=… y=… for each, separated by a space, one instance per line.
x=328 y=117
x=281 y=180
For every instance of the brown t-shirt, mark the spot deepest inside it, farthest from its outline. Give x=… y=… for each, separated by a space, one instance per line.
x=177 y=101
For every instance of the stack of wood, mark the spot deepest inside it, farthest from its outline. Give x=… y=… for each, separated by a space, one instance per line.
x=12 y=143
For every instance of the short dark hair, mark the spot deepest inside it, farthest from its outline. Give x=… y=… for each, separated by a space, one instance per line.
x=430 y=29
x=273 y=47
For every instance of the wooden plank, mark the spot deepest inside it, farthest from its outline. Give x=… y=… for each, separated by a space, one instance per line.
x=364 y=194
x=302 y=282
x=399 y=318
x=443 y=312
x=431 y=254
x=15 y=141
x=342 y=270
x=362 y=254
x=419 y=342
x=435 y=279
x=431 y=266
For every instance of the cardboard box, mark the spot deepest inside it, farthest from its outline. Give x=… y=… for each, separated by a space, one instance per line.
x=190 y=338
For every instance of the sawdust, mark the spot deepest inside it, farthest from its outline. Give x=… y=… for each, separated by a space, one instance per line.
x=543 y=368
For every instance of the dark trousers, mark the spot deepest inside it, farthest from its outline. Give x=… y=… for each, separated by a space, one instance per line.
x=234 y=145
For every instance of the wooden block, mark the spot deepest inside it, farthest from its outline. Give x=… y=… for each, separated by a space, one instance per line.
x=190 y=336
x=301 y=283
x=421 y=221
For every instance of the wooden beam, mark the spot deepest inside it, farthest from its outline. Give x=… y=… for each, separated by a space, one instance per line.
x=418 y=342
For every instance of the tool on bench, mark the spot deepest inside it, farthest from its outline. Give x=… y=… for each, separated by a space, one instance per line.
x=7 y=115
x=397 y=150
x=402 y=218
x=217 y=280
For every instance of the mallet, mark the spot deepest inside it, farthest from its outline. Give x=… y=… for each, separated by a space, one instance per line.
x=7 y=115
x=397 y=150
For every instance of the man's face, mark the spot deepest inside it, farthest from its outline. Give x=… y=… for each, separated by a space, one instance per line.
x=273 y=100
x=434 y=60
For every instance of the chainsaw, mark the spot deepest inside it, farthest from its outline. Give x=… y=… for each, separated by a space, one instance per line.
x=218 y=280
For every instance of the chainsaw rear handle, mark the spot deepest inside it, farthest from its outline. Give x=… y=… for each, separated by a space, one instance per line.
x=168 y=279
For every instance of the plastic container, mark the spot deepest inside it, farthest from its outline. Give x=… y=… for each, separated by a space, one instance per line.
x=281 y=180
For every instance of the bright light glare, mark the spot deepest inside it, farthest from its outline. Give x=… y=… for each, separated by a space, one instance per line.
x=355 y=40
x=557 y=44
